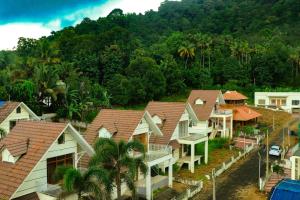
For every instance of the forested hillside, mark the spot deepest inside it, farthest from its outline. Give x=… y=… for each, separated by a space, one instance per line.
x=126 y=59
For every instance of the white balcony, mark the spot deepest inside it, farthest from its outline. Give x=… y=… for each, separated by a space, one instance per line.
x=157 y=151
x=221 y=113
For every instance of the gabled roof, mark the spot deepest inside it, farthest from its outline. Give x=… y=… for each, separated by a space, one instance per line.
x=17 y=148
x=170 y=114
x=242 y=113
x=209 y=97
x=6 y=108
x=234 y=95
x=41 y=136
x=120 y=123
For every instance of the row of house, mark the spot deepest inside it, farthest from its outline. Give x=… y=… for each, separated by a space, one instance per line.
x=32 y=149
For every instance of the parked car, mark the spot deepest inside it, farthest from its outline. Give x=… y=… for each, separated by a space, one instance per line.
x=275 y=150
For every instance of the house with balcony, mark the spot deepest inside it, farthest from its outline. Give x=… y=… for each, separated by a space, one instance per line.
x=130 y=125
x=174 y=119
x=212 y=119
x=11 y=112
x=287 y=101
x=31 y=152
x=242 y=114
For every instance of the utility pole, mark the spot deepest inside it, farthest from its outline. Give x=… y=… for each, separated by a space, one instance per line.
x=259 y=159
x=289 y=137
x=273 y=122
x=267 y=151
x=213 y=175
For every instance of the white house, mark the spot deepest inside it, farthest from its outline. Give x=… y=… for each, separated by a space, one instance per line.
x=212 y=119
x=174 y=118
x=11 y=112
x=127 y=125
x=288 y=101
x=30 y=154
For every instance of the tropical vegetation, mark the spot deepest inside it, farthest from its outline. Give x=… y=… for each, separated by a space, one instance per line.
x=123 y=161
x=126 y=59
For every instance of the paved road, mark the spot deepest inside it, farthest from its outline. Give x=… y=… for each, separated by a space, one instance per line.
x=241 y=174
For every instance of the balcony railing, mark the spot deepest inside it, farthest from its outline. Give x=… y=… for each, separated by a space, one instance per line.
x=223 y=112
x=156 y=148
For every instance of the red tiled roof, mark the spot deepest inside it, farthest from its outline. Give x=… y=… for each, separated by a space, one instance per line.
x=7 y=108
x=41 y=136
x=209 y=97
x=120 y=123
x=17 y=148
x=234 y=95
x=170 y=114
x=242 y=113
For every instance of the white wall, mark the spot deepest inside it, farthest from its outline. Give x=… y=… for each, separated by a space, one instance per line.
x=7 y=157
x=37 y=179
x=13 y=117
x=290 y=96
x=143 y=127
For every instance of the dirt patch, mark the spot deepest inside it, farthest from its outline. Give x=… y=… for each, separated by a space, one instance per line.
x=249 y=192
x=280 y=117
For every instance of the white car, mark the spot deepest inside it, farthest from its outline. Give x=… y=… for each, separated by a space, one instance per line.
x=275 y=150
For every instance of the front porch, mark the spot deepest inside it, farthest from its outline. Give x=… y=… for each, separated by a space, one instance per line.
x=192 y=140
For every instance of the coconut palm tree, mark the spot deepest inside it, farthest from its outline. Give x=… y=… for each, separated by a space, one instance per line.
x=94 y=183
x=117 y=158
x=187 y=51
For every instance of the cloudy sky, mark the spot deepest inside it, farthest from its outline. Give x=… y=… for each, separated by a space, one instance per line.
x=36 y=18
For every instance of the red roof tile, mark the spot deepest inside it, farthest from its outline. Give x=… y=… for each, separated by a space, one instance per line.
x=120 y=123
x=234 y=95
x=209 y=97
x=242 y=113
x=41 y=136
x=7 y=109
x=170 y=114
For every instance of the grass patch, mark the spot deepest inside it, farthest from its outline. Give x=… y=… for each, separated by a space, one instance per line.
x=217 y=143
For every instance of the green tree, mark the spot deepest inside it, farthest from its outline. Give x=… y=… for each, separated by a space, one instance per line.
x=94 y=183
x=117 y=159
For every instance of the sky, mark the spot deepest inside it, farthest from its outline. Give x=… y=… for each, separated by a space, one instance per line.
x=37 y=18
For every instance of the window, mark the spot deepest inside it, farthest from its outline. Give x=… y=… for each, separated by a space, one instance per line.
x=273 y=101
x=295 y=102
x=183 y=128
x=261 y=101
x=103 y=133
x=53 y=163
x=18 y=110
x=12 y=124
x=199 y=102
x=61 y=139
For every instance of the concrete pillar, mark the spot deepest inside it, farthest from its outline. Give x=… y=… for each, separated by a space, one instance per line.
x=148 y=184
x=170 y=174
x=231 y=126
x=224 y=126
x=206 y=152
x=293 y=168
x=193 y=158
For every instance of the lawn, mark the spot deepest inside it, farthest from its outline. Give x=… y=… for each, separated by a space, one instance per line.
x=218 y=153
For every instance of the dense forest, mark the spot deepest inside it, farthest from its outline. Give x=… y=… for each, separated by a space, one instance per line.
x=127 y=59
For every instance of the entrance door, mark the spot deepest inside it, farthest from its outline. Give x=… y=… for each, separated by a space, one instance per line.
x=53 y=163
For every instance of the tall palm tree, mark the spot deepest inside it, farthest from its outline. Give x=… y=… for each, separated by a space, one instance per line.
x=118 y=159
x=187 y=51
x=94 y=183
